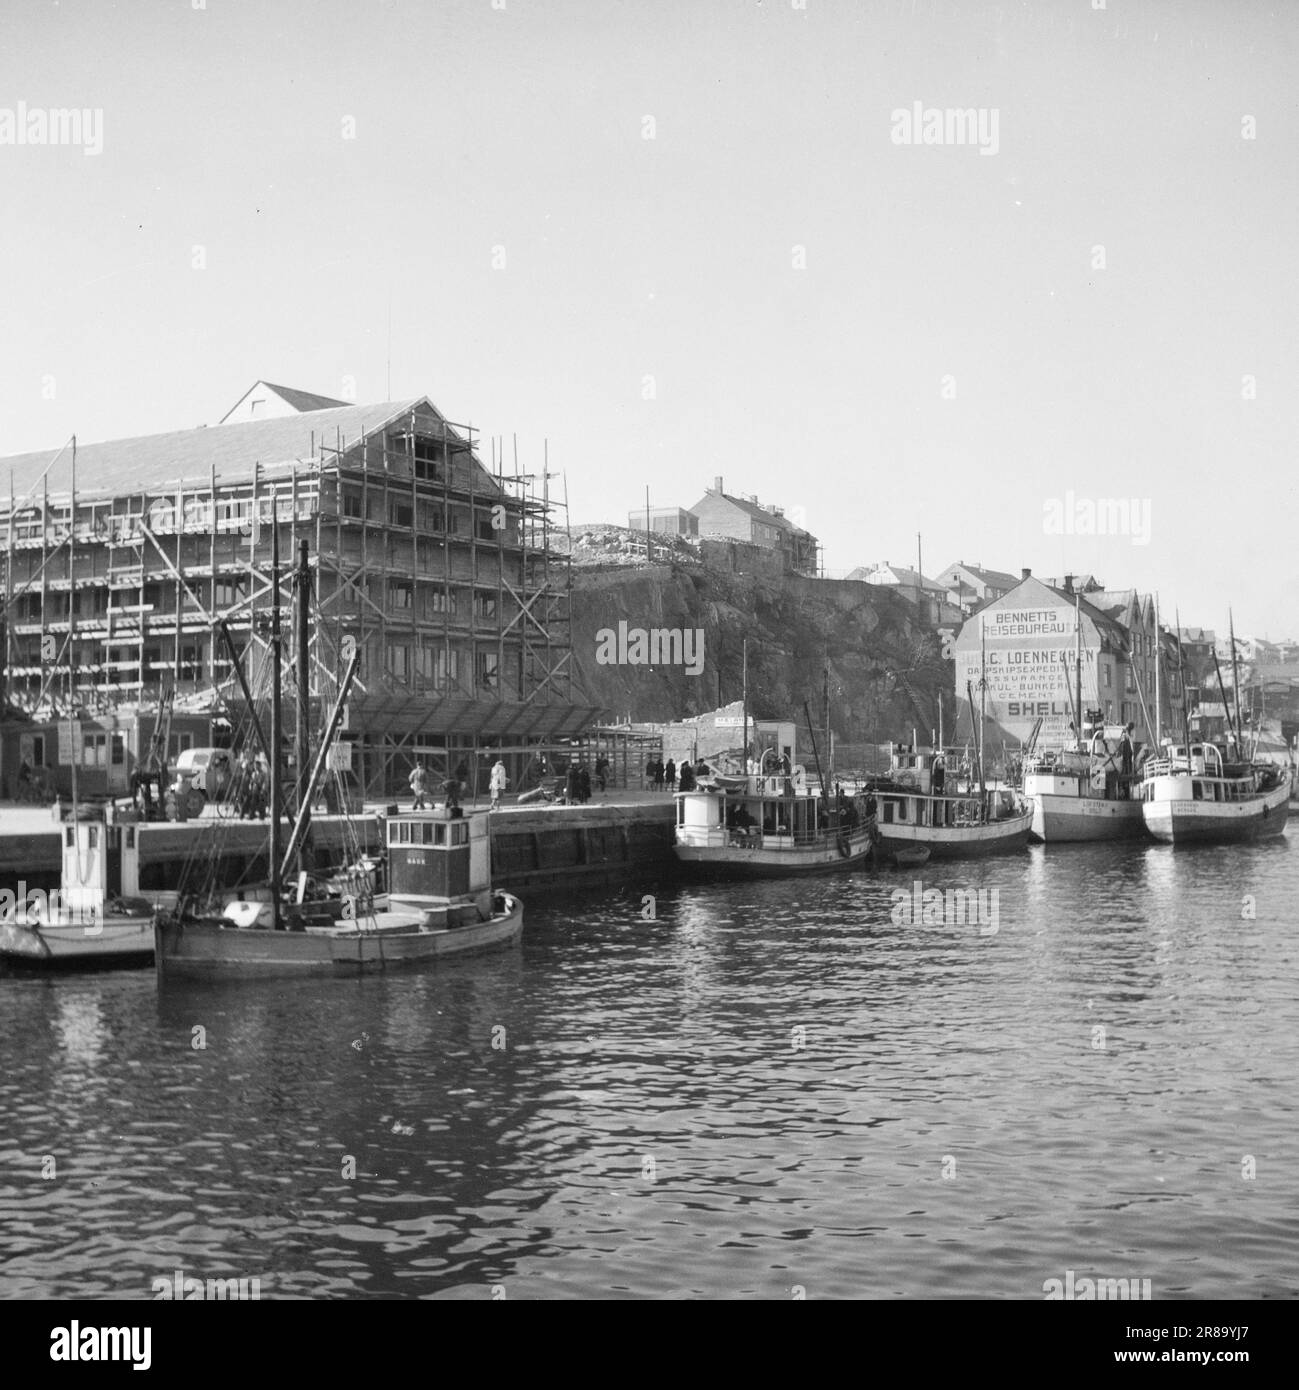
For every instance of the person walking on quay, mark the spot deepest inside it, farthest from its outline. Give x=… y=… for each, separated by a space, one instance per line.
x=584 y=783
x=685 y=777
x=649 y=773
x=572 y=786
x=419 y=786
x=670 y=774
x=499 y=781
x=259 y=785
x=602 y=773
x=658 y=774
x=462 y=775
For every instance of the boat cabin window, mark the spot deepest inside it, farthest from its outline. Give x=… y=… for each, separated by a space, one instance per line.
x=440 y=834
x=130 y=837
x=1197 y=790
x=70 y=836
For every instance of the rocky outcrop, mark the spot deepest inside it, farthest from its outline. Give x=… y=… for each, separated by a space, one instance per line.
x=883 y=669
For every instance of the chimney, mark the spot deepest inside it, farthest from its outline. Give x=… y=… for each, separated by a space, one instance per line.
x=1026 y=573
x=717 y=486
x=1068 y=583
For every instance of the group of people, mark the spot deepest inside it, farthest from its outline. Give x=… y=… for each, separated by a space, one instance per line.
x=453 y=787
x=668 y=775
x=250 y=788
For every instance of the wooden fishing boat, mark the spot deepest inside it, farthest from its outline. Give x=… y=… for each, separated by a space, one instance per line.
x=916 y=806
x=1197 y=796
x=97 y=916
x=441 y=903
x=1084 y=796
x=771 y=826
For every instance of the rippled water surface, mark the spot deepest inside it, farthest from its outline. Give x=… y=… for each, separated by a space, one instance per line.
x=770 y=1086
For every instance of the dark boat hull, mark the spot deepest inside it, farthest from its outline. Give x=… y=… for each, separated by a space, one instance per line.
x=209 y=951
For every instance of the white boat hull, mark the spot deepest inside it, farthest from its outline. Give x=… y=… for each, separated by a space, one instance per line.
x=206 y=950
x=768 y=857
x=119 y=940
x=1218 y=822
x=1063 y=819
x=960 y=841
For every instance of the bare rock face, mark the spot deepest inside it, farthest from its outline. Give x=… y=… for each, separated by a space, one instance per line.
x=883 y=671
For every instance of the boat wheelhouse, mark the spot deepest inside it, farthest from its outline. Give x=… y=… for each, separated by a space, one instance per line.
x=97 y=916
x=1198 y=795
x=753 y=825
x=917 y=805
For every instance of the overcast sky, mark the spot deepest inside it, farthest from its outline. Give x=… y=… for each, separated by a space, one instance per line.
x=683 y=238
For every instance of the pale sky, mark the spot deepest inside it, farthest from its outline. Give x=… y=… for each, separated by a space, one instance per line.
x=479 y=131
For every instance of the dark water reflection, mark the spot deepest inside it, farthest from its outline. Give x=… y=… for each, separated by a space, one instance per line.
x=769 y=1086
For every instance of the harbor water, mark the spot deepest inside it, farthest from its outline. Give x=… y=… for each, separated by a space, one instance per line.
x=698 y=1090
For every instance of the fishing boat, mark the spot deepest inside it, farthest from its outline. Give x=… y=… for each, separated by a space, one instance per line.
x=1196 y=793
x=1087 y=792
x=915 y=806
x=97 y=915
x=440 y=899
x=771 y=825
x=1214 y=792
x=768 y=818
x=440 y=905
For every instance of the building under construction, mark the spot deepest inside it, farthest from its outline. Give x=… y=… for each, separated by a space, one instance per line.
x=124 y=558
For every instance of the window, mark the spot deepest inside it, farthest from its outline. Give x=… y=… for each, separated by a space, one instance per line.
x=446 y=667
x=351 y=502
x=398 y=660
x=401 y=595
x=179 y=743
x=429 y=458
x=484 y=605
x=439 y=601
x=431 y=518
x=488 y=670
x=374 y=505
x=190 y=667
x=401 y=513
x=1109 y=675
x=227 y=592
x=94 y=750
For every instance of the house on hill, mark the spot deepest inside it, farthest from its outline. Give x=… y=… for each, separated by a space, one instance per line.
x=725 y=517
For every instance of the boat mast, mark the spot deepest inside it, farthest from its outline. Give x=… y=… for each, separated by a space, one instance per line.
x=72 y=627
x=306 y=856
x=1181 y=681
x=1159 y=661
x=1077 y=661
x=983 y=694
x=829 y=737
x=276 y=716
x=1235 y=680
x=744 y=700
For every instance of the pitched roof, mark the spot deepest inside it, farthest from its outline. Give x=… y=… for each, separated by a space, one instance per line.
x=304 y=400
x=153 y=460
x=757 y=511
x=996 y=578
x=909 y=578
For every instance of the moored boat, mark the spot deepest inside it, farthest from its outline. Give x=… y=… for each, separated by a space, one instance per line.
x=441 y=905
x=759 y=825
x=97 y=916
x=440 y=897
x=1084 y=795
x=916 y=807
x=1192 y=794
